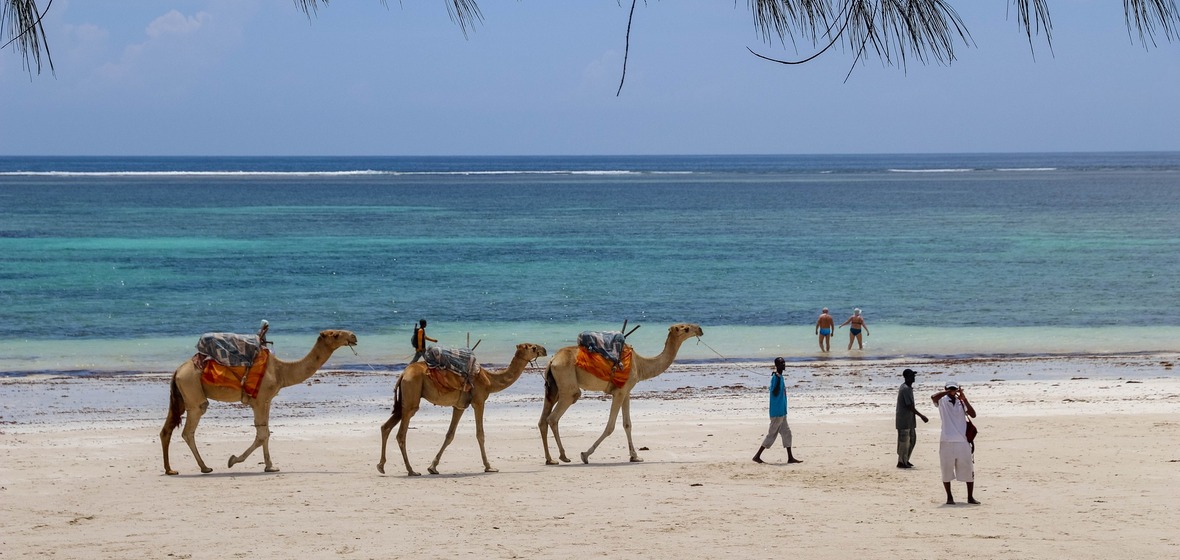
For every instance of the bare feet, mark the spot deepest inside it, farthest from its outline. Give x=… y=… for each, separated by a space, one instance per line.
x=904 y=466
x=793 y=460
x=973 y=501
x=758 y=459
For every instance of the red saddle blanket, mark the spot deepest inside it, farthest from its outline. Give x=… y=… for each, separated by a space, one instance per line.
x=244 y=378
x=446 y=380
x=603 y=369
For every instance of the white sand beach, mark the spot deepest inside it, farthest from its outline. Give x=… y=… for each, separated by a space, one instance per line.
x=1078 y=457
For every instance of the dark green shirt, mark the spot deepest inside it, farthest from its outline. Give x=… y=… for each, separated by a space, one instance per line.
x=905 y=405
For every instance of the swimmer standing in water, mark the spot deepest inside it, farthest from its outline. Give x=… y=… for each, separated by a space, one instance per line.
x=823 y=329
x=858 y=324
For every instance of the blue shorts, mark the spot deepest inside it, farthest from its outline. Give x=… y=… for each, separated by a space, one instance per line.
x=853 y=332
x=825 y=332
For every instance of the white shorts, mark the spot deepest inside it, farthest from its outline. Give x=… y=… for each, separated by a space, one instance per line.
x=957 y=461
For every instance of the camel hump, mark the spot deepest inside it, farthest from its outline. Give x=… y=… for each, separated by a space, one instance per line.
x=460 y=361
x=608 y=344
x=230 y=349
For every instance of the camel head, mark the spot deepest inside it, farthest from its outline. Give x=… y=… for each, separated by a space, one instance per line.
x=336 y=338
x=684 y=331
x=530 y=352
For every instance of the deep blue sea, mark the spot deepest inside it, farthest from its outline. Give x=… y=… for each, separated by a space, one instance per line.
x=116 y=264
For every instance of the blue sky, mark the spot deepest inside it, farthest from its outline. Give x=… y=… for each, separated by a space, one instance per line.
x=256 y=77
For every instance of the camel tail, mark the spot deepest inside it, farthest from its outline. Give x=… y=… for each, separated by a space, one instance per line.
x=397 y=402
x=550 y=385
x=175 y=406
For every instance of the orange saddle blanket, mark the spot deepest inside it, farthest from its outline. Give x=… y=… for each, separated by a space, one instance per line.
x=603 y=369
x=446 y=380
x=245 y=378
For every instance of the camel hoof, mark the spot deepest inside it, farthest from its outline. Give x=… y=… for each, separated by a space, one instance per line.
x=585 y=458
x=552 y=462
x=412 y=473
x=171 y=472
x=636 y=460
x=232 y=460
x=490 y=469
x=565 y=459
x=271 y=469
x=381 y=468
x=206 y=470
x=431 y=470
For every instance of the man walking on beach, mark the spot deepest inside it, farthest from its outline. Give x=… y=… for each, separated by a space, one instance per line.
x=823 y=329
x=420 y=339
x=778 y=414
x=954 y=452
x=907 y=425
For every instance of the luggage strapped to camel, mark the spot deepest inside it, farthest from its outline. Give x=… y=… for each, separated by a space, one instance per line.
x=235 y=361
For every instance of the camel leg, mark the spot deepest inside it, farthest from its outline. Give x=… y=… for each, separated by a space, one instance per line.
x=171 y=421
x=554 y=418
x=401 y=438
x=190 y=432
x=542 y=425
x=627 y=428
x=165 y=440
x=616 y=402
x=487 y=467
x=261 y=438
x=456 y=414
x=386 y=428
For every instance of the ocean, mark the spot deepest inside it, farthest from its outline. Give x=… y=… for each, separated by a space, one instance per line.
x=115 y=265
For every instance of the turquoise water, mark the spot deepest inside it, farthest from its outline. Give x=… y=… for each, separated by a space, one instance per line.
x=118 y=264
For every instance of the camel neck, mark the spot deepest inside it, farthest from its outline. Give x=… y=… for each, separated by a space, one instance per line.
x=294 y=373
x=498 y=381
x=653 y=366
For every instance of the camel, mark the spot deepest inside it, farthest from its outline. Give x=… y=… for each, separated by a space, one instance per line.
x=564 y=382
x=190 y=394
x=415 y=385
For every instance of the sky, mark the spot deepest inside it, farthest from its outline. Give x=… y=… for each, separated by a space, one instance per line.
x=538 y=77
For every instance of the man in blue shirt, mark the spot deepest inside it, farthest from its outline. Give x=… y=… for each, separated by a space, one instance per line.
x=778 y=414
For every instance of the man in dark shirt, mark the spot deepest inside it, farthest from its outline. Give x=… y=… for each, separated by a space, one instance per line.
x=907 y=425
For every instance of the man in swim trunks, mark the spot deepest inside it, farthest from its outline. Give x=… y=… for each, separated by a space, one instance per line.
x=823 y=329
x=858 y=324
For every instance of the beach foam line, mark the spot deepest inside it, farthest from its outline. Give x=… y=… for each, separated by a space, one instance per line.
x=189 y=173
x=340 y=173
x=946 y=170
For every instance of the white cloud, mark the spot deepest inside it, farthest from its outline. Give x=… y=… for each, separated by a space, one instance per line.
x=176 y=23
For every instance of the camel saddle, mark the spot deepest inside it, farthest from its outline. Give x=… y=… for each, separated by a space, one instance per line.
x=233 y=361
x=605 y=355
x=449 y=368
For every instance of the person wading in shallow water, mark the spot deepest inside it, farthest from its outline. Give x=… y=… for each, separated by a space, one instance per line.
x=823 y=329
x=778 y=414
x=858 y=324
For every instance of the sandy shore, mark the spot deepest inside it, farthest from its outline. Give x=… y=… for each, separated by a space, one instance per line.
x=1084 y=463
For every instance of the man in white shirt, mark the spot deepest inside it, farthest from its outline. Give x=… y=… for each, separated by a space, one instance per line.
x=954 y=452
